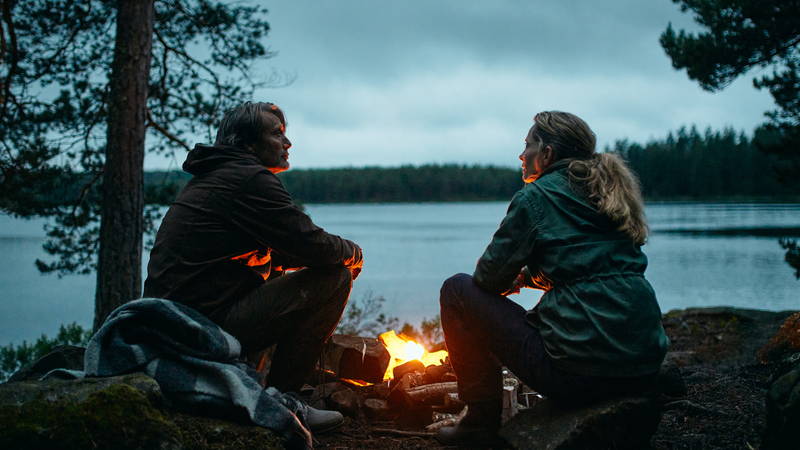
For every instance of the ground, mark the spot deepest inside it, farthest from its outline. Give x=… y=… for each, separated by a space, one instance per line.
x=716 y=352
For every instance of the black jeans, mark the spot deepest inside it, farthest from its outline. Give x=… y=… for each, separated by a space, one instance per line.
x=298 y=312
x=485 y=331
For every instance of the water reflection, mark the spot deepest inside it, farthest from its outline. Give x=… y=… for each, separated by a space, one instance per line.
x=411 y=248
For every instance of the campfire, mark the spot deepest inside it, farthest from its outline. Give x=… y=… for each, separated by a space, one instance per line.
x=394 y=377
x=403 y=349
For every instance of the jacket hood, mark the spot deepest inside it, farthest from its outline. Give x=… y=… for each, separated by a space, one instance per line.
x=204 y=158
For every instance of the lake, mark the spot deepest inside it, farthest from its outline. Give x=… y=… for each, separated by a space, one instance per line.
x=700 y=254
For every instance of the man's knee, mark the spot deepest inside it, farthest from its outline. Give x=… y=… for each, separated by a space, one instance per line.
x=337 y=277
x=337 y=282
x=452 y=287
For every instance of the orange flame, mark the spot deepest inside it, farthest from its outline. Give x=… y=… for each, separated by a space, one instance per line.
x=402 y=349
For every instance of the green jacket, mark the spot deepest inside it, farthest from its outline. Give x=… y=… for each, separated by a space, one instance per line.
x=598 y=316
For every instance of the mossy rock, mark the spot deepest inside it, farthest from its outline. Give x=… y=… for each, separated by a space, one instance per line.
x=116 y=416
x=785 y=342
x=124 y=412
x=783 y=410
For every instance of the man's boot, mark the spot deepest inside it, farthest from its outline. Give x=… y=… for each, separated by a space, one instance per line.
x=323 y=420
x=477 y=429
x=316 y=420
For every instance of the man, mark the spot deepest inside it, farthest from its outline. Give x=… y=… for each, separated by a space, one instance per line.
x=226 y=243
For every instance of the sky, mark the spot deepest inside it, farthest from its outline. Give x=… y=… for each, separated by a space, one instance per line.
x=387 y=83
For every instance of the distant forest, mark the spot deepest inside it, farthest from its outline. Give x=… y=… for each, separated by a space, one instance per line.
x=686 y=165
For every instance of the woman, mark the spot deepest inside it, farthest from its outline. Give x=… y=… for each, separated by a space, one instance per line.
x=575 y=230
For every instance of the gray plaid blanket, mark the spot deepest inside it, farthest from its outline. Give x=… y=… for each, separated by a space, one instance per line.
x=195 y=363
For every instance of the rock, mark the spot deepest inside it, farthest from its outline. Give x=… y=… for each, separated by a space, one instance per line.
x=118 y=412
x=783 y=410
x=319 y=398
x=670 y=381
x=379 y=390
x=376 y=408
x=622 y=423
x=124 y=412
x=345 y=401
x=354 y=357
x=785 y=342
x=62 y=357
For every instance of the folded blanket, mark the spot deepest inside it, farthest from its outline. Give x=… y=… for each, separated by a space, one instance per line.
x=195 y=362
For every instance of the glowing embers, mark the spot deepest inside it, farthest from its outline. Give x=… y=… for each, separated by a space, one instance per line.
x=402 y=349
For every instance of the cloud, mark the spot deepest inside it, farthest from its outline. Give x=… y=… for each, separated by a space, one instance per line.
x=388 y=83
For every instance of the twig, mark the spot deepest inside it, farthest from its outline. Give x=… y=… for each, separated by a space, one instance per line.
x=402 y=432
x=164 y=131
x=688 y=404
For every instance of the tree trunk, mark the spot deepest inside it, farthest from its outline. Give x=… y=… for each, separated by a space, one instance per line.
x=119 y=272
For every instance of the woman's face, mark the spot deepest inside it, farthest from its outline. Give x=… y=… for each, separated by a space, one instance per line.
x=535 y=159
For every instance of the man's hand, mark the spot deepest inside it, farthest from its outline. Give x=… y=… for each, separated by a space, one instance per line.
x=356 y=262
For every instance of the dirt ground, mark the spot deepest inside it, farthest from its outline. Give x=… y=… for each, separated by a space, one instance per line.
x=715 y=349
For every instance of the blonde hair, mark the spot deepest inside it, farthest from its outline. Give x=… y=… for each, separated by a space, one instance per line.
x=604 y=177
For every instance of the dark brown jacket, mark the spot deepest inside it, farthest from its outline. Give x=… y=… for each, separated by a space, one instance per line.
x=231 y=226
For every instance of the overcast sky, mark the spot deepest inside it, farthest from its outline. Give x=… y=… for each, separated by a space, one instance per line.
x=413 y=82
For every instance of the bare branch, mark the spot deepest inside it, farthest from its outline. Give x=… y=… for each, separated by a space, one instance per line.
x=164 y=132
x=188 y=58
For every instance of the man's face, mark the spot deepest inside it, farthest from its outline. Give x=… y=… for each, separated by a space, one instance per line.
x=272 y=147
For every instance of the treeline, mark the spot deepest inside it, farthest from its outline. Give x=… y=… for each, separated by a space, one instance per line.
x=686 y=165
x=428 y=183
x=691 y=165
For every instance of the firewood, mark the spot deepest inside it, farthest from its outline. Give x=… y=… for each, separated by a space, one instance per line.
x=407 y=381
x=354 y=357
x=434 y=374
x=428 y=392
x=411 y=366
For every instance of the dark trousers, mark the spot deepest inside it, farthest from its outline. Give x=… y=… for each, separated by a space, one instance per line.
x=298 y=312
x=485 y=331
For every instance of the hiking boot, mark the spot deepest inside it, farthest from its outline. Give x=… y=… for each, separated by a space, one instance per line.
x=323 y=420
x=316 y=420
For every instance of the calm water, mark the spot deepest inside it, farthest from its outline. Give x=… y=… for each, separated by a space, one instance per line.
x=411 y=248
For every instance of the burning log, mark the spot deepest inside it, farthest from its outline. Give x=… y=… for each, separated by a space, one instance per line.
x=404 y=349
x=356 y=358
x=437 y=374
x=414 y=365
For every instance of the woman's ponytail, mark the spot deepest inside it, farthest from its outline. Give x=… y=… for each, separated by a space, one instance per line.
x=614 y=190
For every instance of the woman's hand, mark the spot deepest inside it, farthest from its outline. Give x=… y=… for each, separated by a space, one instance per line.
x=518 y=284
